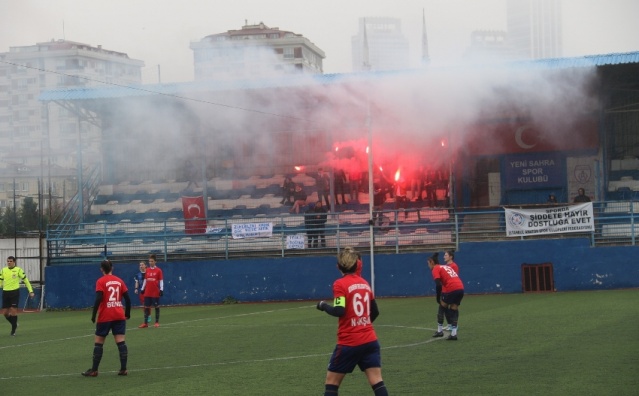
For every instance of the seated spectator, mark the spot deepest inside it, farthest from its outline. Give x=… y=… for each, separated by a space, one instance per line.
x=299 y=198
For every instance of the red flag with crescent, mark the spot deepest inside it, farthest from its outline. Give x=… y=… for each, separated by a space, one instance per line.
x=194 y=215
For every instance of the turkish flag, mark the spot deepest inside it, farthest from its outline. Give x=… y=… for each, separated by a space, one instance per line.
x=194 y=215
x=494 y=138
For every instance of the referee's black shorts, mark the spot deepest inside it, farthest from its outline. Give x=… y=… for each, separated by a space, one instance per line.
x=10 y=298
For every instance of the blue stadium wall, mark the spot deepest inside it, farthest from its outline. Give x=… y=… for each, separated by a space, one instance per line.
x=485 y=267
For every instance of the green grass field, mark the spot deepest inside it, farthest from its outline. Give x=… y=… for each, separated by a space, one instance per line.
x=577 y=343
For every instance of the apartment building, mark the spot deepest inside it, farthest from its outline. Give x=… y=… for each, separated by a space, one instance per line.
x=39 y=143
x=255 y=51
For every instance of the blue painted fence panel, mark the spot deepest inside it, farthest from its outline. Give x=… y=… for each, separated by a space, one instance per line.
x=485 y=267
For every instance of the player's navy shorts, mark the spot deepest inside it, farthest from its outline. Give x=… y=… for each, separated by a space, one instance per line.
x=453 y=297
x=345 y=358
x=10 y=298
x=151 y=301
x=116 y=327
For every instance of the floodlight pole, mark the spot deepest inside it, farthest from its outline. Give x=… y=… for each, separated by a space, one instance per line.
x=79 y=166
x=371 y=194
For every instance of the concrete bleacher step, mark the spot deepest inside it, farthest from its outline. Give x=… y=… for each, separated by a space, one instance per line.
x=252 y=196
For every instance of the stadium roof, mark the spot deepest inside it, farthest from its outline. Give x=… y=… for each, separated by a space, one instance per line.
x=113 y=91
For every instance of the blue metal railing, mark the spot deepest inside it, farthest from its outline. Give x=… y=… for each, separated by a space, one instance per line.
x=433 y=229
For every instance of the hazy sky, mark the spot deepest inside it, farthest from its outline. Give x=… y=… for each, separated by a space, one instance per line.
x=159 y=32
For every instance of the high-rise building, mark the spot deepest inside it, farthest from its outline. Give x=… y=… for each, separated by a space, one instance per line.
x=382 y=40
x=489 y=45
x=425 y=54
x=255 y=51
x=33 y=133
x=534 y=28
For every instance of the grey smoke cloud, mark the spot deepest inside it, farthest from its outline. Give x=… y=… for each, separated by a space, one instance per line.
x=305 y=120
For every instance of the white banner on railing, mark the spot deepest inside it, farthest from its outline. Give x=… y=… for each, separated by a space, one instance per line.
x=252 y=230
x=555 y=220
x=295 y=241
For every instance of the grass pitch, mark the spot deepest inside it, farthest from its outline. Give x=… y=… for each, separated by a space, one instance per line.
x=580 y=343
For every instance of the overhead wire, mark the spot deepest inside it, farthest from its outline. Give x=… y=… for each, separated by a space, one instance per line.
x=142 y=89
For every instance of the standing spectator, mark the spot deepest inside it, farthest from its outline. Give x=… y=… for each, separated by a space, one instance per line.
x=379 y=197
x=319 y=218
x=10 y=277
x=417 y=183
x=323 y=184
x=288 y=191
x=316 y=218
x=386 y=183
x=581 y=196
x=299 y=199
x=109 y=292
x=552 y=199
x=340 y=186
x=153 y=289
x=431 y=183
x=357 y=345
x=355 y=178
x=309 y=224
x=401 y=200
x=139 y=280
x=450 y=292
x=443 y=184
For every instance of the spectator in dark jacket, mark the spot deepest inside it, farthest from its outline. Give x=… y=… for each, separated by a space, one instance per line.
x=323 y=184
x=340 y=186
x=379 y=197
x=288 y=191
x=315 y=221
x=581 y=196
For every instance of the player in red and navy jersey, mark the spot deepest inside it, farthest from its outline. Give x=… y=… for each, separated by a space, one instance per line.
x=450 y=292
x=138 y=279
x=354 y=304
x=152 y=289
x=449 y=256
x=359 y=264
x=109 y=293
